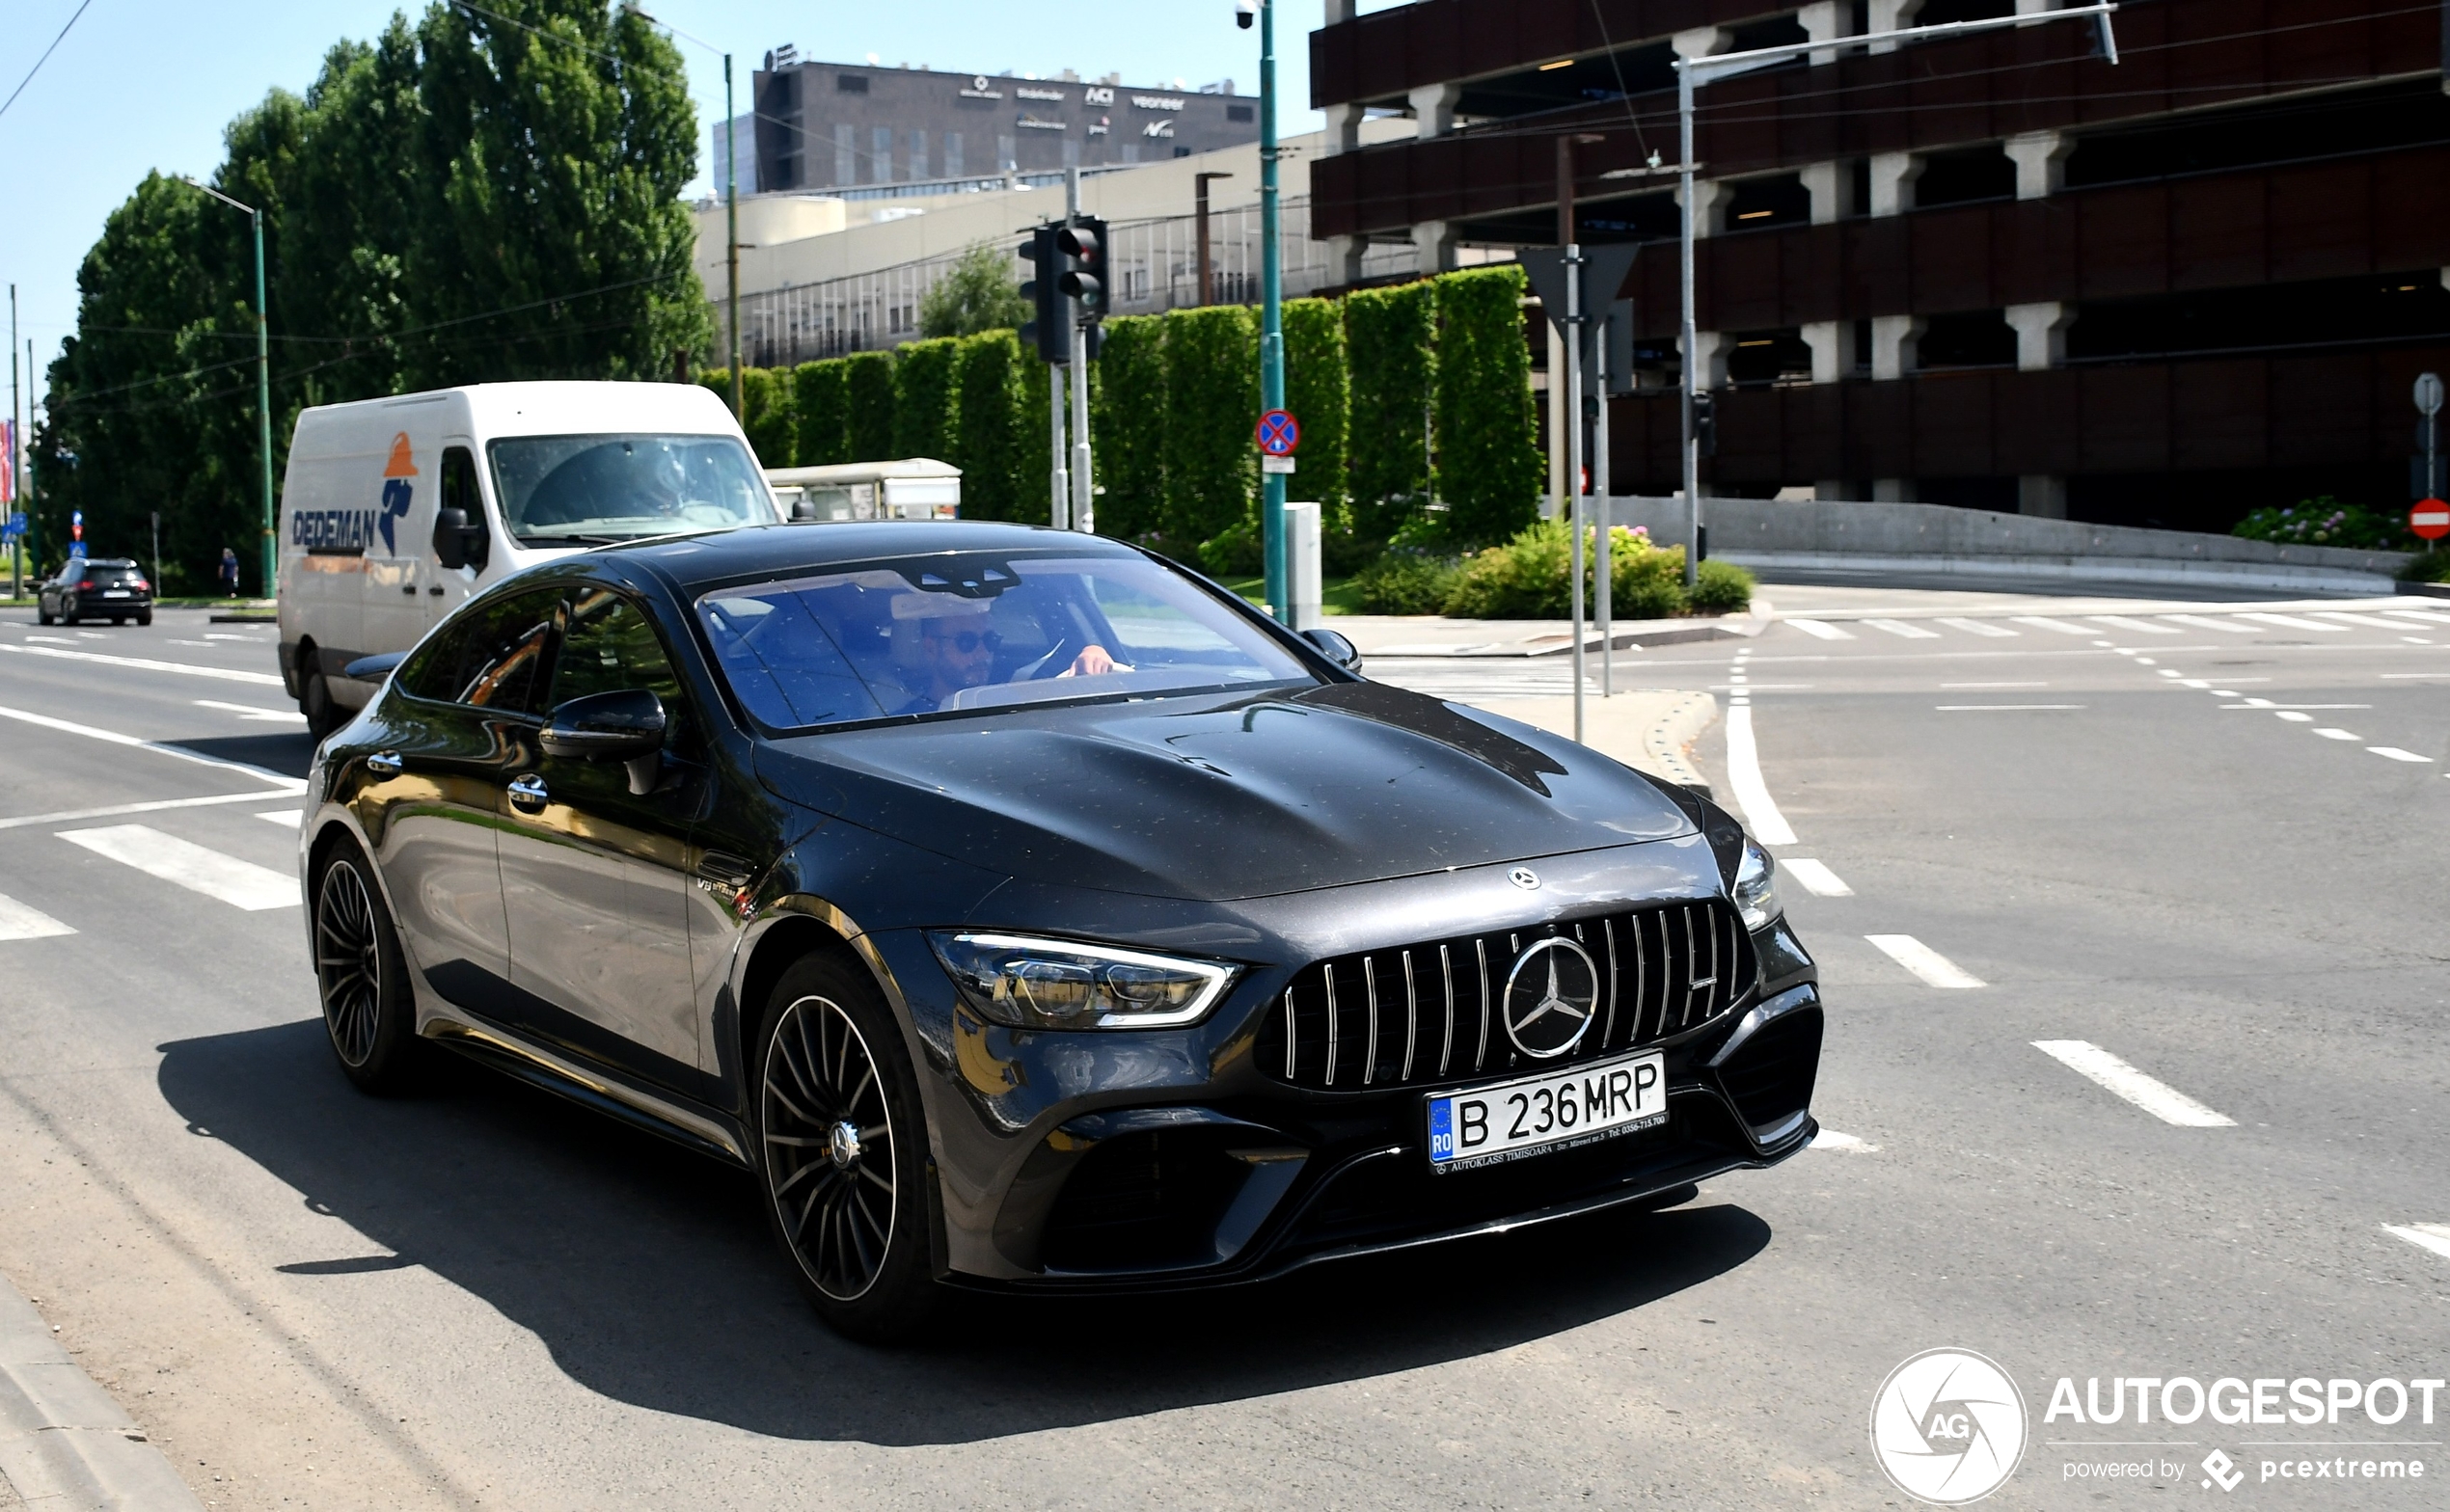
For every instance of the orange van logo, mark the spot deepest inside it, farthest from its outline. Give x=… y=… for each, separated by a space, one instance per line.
x=396 y=489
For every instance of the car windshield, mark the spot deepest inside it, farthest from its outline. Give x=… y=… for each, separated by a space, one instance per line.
x=593 y=489
x=969 y=632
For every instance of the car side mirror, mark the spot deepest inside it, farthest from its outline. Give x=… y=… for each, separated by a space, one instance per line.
x=458 y=543
x=1332 y=645
x=624 y=726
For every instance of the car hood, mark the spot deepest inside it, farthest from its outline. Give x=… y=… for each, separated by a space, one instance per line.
x=1227 y=795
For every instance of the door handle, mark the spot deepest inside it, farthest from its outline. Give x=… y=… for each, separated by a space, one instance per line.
x=436 y=590
x=528 y=793
x=386 y=763
x=409 y=589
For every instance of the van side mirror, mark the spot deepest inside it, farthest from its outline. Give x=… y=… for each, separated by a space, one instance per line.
x=1332 y=645
x=803 y=510
x=458 y=543
x=624 y=726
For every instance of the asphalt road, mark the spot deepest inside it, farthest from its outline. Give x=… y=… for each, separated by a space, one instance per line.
x=482 y=1296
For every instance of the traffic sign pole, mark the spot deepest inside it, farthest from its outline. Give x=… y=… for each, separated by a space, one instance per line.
x=1272 y=318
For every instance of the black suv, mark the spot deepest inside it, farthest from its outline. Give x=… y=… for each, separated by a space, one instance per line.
x=90 y=588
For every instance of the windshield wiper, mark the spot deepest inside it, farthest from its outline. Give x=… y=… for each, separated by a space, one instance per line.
x=582 y=540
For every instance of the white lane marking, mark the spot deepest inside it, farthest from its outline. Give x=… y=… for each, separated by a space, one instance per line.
x=1825 y=632
x=2293 y=716
x=2335 y=734
x=2425 y=1237
x=54 y=640
x=65 y=727
x=1830 y=1139
x=2264 y=703
x=2044 y=622
x=207 y=644
x=2158 y=1098
x=2416 y=640
x=1744 y=774
x=1817 y=880
x=1898 y=627
x=215 y=634
x=226 y=674
x=286 y=817
x=2394 y=753
x=2171 y=671
x=2140 y=627
x=2369 y=621
x=116 y=810
x=2198 y=683
x=18 y=922
x=1975 y=627
x=2416 y=674
x=251 y=712
x=242 y=884
x=1946 y=686
x=2207 y=622
x=2292 y=622
x=2419 y=616
x=2144 y=660
x=1924 y=961
x=1998 y=708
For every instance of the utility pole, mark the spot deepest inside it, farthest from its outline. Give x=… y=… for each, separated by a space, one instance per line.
x=264 y=384
x=1571 y=505
x=1207 y=294
x=16 y=440
x=731 y=235
x=1272 y=318
x=1083 y=503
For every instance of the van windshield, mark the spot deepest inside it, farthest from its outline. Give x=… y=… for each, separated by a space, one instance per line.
x=595 y=489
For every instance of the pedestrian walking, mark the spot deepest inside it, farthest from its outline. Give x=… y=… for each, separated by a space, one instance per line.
x=229 y=571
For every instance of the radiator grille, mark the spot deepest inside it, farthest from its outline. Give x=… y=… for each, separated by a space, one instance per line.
x=1425 y=1013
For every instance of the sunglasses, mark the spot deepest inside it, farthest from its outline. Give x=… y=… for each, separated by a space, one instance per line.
x=966 y=641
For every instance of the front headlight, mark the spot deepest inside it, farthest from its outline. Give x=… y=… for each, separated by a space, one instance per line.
x=1755 y=888
x=1041 y=984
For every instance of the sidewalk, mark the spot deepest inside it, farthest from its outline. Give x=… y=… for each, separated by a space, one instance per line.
x=1650 y=729
x=1438 y=636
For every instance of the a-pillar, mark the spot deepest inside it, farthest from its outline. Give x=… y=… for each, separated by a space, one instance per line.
x=2041 y=496
x=1433 y=108
x=1892 y=176
x=2041 y=334
x=1828 y=340
x=1832 y=189
x=1432 y=248
x=1890 y=15
x=2041 y=162
x=1892 y=345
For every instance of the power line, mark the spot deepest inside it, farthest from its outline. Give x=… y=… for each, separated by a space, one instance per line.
x=39 y=62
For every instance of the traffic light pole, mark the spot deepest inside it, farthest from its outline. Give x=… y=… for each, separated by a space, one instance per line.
x=1059 y=471
x=1084 y=513
x=1272 y=318
x=731 y=239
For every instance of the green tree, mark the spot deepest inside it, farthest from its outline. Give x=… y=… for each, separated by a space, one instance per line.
x=1488 y=464
x=868 y=388
x=1392 y=334
x=980 y=292
x=1127 y=422
x=1212 y=406
x=923 y=397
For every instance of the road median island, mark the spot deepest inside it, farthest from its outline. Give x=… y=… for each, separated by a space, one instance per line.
x=1650 y=729
x=63 y=1441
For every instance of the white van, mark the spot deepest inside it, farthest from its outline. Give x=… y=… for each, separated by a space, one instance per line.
x=396 y=510
x=913 y=487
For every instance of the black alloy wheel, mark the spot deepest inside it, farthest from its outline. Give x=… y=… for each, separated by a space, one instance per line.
x=842 y=1146
x=362 y=975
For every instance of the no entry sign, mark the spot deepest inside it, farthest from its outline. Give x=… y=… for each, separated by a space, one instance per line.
x=1279 y=433
x=2430 y=519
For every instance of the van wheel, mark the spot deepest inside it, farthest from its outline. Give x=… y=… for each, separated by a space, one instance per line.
x=322 y=714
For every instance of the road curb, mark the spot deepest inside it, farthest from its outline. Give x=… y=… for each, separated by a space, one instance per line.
x=1669 y=734
x=64 y=1443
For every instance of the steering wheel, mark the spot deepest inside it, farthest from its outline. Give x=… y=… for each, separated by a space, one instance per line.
x=1060 y=657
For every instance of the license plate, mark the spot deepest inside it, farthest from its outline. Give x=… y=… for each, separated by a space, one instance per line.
x=114 y=593
x=1486 y=1125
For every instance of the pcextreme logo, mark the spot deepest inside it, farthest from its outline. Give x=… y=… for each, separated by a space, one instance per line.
x=351 y=531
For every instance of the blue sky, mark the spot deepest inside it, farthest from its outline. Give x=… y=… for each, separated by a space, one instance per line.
x=150 y=83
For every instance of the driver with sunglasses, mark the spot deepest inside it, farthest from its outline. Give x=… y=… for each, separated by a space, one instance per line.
x=957 y=650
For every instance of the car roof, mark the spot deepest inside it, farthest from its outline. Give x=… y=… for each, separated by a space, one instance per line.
x=784 y=551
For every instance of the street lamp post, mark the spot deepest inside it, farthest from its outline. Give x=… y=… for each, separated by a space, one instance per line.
x=1690 y=74
x=1272 y=313
x=264 y=383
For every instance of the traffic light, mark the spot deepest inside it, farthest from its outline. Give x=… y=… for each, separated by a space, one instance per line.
x=1082 y=245
x=1705 y=425
x=1050 y=330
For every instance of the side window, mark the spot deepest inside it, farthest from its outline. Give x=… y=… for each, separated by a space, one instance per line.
x=608 y=645
x=490 y=656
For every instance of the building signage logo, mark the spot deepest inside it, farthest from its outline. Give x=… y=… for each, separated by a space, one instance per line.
x=1033 y=123
x=1025 y=92
x=1157 y=101
x=352 y=531
x=1098 y=95
x=978 y=90
x=1157 y=129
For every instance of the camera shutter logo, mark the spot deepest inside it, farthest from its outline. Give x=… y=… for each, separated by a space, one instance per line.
x=1949 y=1428
x=1550 y=997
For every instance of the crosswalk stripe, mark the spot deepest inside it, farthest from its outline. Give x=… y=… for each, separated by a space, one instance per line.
x=2292 y=622
x=2420 y=616
x=2144 y=627
x=1935 y=969
x=1817 y=878
x=241 y=884
x=113 y=737
x=2369 y=621
x=2045 y=622
x=285 y=817
x=1898 y=627
x=1977 y=627
x=2207 y=622
x=1821 y=630
x=2425 y=1237
x=2156 y=1098
x=18 y=922
x=2396 y=754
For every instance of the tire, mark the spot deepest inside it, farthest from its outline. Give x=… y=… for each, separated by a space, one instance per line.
x=42 y=615
x=323 y=714
x=145 y=618
x=119 y=620
x=68 y=613
x=361 y=974
x=842 y=1150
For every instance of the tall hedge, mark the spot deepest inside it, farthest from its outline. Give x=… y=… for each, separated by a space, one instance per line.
x=1489 y=463
x=923 y=398
x=1127 y=421
x=1318 y=391
x=770 y=418
x=1212 y=406
x=823 y=405
x=993 y=441
x=870 y=408
x=1390 y=334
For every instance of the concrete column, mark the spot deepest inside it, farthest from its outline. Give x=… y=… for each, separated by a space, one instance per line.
x=1833 y=191
x=2023 y=6
x=2041 y=334
x=2041 y=496
x=1892 y=343
x=1714 y=347
x=1890 y=15
x=2041 y=162
x=1433 y=108
x=1344 y=127
x=1709 y=199
x=1823 y=20
x=1346 y=9
x=1433 y=247
x=1828 y=340
x=1343 y=258
x=1830 y=490
x=1702 y=42
x=1893 y=491
x=1892 y=176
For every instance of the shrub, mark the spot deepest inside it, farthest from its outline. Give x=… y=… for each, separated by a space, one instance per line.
x=771 y=421
x=1127 y=425
x=1407 y=581
x=2432 y=566
x=991 y=440
x=1527 y=577
x=1318 y=391
x=923 y=398
x=870 y=405
x=1531 y=577
x=1488 y=462
x=1719 y=588
x=824 y=411
x=1391 y=339
x=1236 y=551
x=1212 y=406
x=2323 y=521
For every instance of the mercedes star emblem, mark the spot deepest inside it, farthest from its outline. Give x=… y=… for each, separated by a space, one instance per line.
x=1524 y=878
x=1550 y=997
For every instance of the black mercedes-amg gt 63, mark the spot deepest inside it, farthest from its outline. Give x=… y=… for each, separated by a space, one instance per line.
x=1027 y=912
